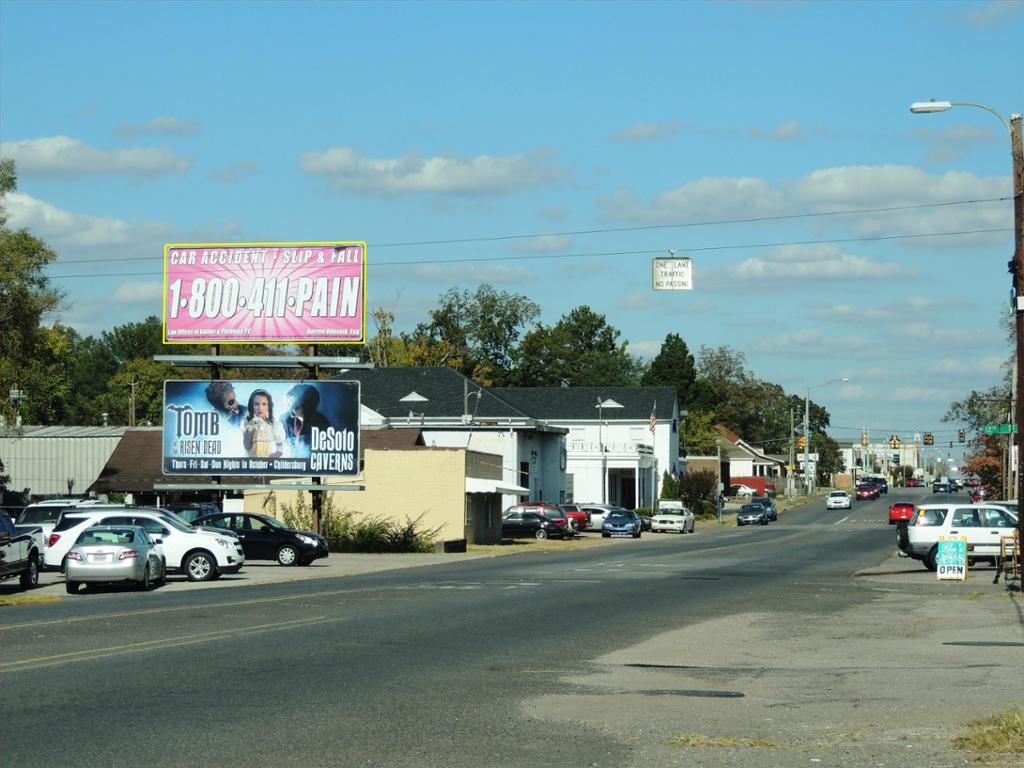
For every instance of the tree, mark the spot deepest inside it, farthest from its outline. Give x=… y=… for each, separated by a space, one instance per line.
x=669 y=487
x=830 y=460
x=673 y=366
x=148 y=378
x=26 y=296
x=698 y=489
x=581 y=349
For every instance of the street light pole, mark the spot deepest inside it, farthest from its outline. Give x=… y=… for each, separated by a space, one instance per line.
x=1013 y=127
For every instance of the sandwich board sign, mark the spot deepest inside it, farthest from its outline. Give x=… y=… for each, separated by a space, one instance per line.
x=951 y=558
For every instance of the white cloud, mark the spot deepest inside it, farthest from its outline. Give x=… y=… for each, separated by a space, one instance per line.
x=848 y=188
x=952 y=142
x=813 y=263
x=232 y=173
x=969 y=366
x=158 y=125
x=786 y=131
x=706 y=199
x=992 y=14
x=347 y=169
x=854 y=392
x=541 y=244
x=458 y=274
x=918 y=394
x=647 y=131
x=139 y=292
x=810 y=342
x=64 y=156
x=646 y=350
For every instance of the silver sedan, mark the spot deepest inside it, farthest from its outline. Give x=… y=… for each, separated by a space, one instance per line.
x=115 y=553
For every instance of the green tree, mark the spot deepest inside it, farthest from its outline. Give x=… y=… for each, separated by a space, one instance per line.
x=148 y=377
x=669 y=487
x=830 y=459
x=581 y=349
x=673 y=366
x=26 y=299
x=697 y=490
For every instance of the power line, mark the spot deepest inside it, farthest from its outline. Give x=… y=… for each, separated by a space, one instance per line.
x=639 y=228
x=592 y=254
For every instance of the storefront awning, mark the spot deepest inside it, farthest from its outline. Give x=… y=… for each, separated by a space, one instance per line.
x=480 y=485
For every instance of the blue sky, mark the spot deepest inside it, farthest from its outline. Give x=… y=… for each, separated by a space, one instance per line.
x=659 y=125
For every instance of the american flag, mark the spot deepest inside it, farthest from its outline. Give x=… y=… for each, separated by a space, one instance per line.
x=653 y=421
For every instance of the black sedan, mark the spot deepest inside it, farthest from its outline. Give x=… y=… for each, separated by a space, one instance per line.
x=265 y=538
x=517 y=524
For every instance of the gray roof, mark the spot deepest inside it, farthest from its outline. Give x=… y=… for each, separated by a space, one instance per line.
x=39 y=431
x=441 y=392
x=580 y=403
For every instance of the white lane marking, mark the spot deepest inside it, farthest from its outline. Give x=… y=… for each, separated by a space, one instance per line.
x=837 y=522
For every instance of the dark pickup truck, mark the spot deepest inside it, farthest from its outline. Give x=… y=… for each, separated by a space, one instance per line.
x=19 y=553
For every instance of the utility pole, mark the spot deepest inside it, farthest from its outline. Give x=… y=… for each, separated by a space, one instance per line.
x=131 y=403
x=791 y=469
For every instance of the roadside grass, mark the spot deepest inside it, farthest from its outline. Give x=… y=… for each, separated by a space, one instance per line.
x=995 y=740
x=696 y=740
x=27 y=600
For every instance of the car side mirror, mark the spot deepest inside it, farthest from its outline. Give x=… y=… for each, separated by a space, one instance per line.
x=158 y=541
x=165 y=531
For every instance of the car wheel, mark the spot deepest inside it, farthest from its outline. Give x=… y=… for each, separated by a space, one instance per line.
x=147 y=583
x=764 y=521
x=605 y=535
x=199 y=566
x=638 y=534
x=71 y=587
x=930 y=560
x=30 y=576
x=540 y=534
x=163 y=573
x=287 y=555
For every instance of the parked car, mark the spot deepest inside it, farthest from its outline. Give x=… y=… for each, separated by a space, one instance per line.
x=546 y=510
x=901 y=511
x=111 y=554
x=622 y=522
x=201 y=555
x=598 y=512
x=46 y=514
x=191 y=511
x=982 y=524
x=678 y=519
x=752 y=514
x=979 y=493
x=739 y=489
x=266 y=538
x=19 y=553
x=577 y=517
x=838 y=500
x=516 y=524
x=769 y=504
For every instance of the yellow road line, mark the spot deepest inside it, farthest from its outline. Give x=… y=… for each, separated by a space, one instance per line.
x=203 y=606
x=149 y=645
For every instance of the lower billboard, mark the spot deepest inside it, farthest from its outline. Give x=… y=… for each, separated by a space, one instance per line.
x=287 y=428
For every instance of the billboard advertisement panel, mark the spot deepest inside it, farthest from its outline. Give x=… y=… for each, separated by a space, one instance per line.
x=283 y=293
x=282 y=428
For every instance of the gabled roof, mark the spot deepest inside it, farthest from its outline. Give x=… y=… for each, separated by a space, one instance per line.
x=580 y=403
x=431 y=392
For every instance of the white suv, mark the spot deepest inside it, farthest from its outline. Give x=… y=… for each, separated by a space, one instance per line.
x=200 y=554
x=982 y=524
x=46 y=514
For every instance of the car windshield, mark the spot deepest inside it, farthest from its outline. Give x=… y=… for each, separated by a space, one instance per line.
x=176 y=522
x=40 y=515
x=619 y=516
x=930 y=516
x=751 y=509
x=106 y=536
x=838 y=494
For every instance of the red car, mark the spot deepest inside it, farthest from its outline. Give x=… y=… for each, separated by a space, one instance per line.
x=913 y=482
x=979 y=494
x=867 y=491
x=900 y=511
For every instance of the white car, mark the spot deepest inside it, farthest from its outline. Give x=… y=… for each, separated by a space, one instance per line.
x=679 y=520
x=200 y=554
x=741 y=490
x=982 y=524
x=837 y=500
x=597 y=514
x=46 y=514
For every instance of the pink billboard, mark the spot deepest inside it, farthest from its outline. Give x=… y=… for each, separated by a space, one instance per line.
x=244 y=293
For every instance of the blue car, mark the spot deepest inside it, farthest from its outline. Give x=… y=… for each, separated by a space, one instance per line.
x=622 y=522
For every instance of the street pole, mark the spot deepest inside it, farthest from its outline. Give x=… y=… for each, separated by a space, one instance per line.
x=1016 y=265
x=790 y=473
x=807 y=441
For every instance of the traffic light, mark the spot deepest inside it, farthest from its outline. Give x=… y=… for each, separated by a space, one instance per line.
x=894 y=441
x=929 y=438
x=963 y=436
x=801 y=442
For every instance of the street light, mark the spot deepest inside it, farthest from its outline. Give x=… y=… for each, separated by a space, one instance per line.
x=807 y=433
x=600 y=446
x=1013 y=127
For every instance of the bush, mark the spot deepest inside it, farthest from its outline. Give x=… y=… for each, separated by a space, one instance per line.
x=348 y=531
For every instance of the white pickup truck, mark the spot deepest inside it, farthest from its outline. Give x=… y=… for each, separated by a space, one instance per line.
x=20 y=548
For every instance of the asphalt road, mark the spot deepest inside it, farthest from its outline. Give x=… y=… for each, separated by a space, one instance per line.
x=595 y=657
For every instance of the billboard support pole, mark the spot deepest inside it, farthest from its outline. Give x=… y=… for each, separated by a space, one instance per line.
x=318 y=496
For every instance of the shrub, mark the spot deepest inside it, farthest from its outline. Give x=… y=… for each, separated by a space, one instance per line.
x=349 y=531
